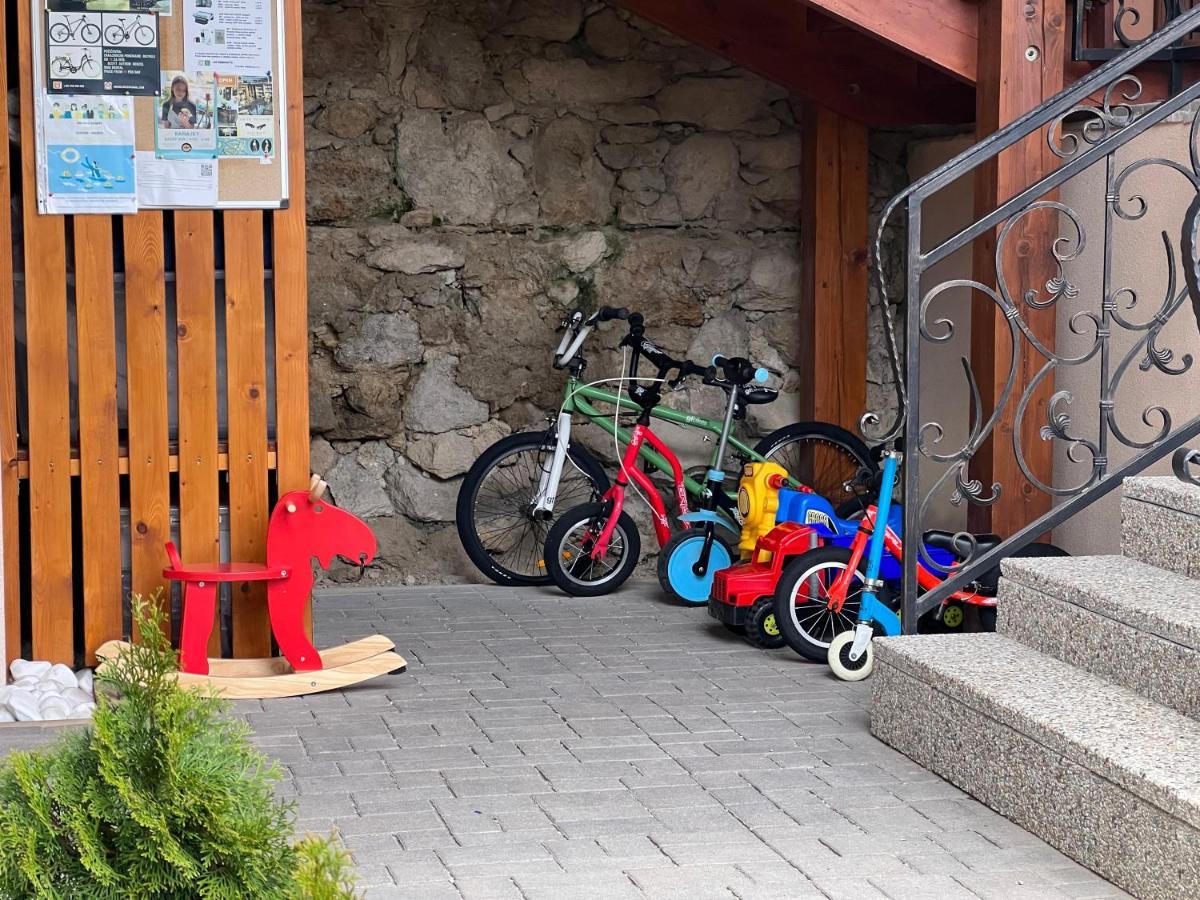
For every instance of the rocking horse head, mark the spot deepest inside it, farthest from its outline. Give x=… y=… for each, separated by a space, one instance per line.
x=305 y=525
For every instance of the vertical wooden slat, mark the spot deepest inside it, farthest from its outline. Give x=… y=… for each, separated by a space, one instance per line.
x=146 y=364
x=245 y=340
x=100 y=485
x=291 y=286
x=196 y=340
x=10 y=605
x=49 y=395
x=1010 y=83
x=833 y=237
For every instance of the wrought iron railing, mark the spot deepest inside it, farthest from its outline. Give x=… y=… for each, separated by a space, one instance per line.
x=1089 y=129
x=1104 y=29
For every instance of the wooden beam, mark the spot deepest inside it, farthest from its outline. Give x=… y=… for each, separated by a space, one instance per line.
x=1010 y=83
x=939 y=32
x=833 y=239
x=847 y=71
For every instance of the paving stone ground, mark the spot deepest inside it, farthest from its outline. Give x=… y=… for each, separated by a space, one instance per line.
x=623 y=747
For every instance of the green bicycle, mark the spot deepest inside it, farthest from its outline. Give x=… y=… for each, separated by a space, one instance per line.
x=507 y=502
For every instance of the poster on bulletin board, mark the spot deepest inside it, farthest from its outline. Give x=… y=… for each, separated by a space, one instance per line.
x=159 y=104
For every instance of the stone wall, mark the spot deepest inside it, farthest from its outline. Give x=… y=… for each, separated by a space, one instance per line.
x=475 y=170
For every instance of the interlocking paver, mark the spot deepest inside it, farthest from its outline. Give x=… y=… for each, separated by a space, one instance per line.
x=546 y=748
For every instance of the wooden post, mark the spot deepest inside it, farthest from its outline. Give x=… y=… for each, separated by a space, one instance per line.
x=833 y=298
x=1020 y=65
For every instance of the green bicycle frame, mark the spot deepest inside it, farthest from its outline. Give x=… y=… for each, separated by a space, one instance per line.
x=579 y=397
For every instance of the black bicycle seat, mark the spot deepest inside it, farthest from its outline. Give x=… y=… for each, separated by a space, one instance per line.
x=960 y=546
x=759 y=395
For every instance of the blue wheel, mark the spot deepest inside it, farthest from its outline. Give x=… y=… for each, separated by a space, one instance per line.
x=677 y=560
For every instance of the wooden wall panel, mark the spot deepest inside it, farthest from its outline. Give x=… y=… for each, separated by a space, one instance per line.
x=196 y=342
x=51 y=586
x=833 y=237
x=291 y=294
x=10 y=586
x=146 y=365
x=100 y=482
x=246 y=390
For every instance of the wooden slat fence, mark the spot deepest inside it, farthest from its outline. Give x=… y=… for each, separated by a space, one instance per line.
x=117 y=336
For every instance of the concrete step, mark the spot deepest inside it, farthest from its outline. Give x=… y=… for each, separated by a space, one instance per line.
x=1098 y=771
x=1160 y=523
x=1118 y=618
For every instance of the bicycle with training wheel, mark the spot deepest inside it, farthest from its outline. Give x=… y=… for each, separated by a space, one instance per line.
x=508 y=500
x=831 y=601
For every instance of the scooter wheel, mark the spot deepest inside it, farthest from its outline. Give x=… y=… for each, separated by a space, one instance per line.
x=761 y=628
x=845 y=668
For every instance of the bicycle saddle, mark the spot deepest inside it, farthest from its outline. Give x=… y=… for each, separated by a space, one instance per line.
x=759 y=395
x=960 y=546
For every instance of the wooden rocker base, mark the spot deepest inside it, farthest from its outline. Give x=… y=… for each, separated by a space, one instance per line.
x=273 y=677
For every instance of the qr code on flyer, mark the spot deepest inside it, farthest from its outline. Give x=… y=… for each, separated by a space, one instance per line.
x=206 y=170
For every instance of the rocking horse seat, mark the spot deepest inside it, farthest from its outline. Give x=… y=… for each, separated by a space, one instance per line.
x=228 y=571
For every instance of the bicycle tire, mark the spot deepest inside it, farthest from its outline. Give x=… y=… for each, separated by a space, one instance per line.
x=467 y=519
x=137 y=35
x=834 y=457
x=60 y=33
x=89 y=33
x=576 y=579
x=114 y=34
x=90 y=69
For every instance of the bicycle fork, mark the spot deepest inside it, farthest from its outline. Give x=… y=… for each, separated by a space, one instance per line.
x=872 y=611
x=552 y=469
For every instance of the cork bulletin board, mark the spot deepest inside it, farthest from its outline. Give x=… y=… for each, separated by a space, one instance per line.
x=123 y=83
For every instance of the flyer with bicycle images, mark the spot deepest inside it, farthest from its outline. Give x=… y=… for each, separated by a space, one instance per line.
x=90 y=154
x=100 y=52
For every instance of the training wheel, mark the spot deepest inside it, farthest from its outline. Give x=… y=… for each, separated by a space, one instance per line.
x=839 y=658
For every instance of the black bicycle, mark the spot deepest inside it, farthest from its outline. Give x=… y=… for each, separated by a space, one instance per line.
x=120 y=31
x=67 y=32
x=61 y=66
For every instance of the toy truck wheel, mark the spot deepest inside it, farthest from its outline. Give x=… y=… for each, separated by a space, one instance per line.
x=845 y=668
x=761 y=628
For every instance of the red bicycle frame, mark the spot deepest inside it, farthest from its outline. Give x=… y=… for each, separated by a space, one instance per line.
x=631 y=469
x=895 y=547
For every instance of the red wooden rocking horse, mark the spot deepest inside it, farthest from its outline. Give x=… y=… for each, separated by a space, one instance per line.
x=302 y=526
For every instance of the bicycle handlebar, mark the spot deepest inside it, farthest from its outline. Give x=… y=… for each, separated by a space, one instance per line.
x=574 y=335
x=737 y=370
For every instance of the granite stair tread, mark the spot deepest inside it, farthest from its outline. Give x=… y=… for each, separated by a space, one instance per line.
x=1143 y=747
x=1164 y=490
x=1143 y=597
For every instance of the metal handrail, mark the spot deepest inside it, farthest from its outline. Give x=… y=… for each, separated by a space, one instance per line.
x=1109 y=125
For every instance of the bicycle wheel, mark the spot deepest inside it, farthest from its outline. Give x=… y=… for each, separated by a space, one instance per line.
x=144 y=35
x=114 y=34
x=494 y=514
x=90 y=69
x=823 y=456
x=801 y=601
x=89 y=33
x=678 y=557
x=568 y=551
x=60 y=33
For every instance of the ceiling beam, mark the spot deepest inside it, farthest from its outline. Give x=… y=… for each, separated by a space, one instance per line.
x=847 y=71
x=939 y=32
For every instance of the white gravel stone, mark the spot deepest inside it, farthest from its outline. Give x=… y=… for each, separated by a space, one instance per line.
x=62 y=675
x=5 y=715
x=74 y=696
x=24 y=668
x=23 y=705
x=52 y=706
x=85 y=679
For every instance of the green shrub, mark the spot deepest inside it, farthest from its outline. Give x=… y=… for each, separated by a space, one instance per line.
x=163 y=796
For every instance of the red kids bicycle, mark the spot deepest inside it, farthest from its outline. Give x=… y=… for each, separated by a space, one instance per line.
x=593 y=548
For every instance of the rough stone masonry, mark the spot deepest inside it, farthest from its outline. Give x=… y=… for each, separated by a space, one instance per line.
x=477 y=168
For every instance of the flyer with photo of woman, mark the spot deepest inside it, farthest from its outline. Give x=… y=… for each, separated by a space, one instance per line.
x=186 y=121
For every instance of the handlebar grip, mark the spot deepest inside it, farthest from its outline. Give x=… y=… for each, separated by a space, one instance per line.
x=612 y=312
